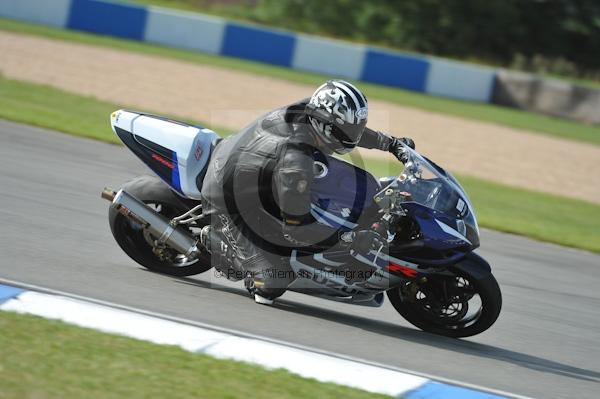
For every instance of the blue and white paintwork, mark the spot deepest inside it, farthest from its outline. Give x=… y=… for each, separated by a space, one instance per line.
x=341 y=193
x=189 y=145
x=214 y=35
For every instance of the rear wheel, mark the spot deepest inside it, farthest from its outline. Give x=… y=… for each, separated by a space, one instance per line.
x=137 y=243
x=457 y=306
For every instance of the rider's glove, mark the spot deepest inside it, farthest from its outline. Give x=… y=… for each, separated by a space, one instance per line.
x=365 y=240
x=397 y=147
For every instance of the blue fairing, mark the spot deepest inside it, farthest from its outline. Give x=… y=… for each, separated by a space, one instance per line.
x=175 y=179
x=342 y=194
x=437 y=228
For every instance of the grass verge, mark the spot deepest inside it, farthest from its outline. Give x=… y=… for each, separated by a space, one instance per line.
x=42 y=358
x=535 y=123
x=47 y=107
x=542 y=216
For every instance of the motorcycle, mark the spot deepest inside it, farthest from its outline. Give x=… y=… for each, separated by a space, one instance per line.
x=426 y=266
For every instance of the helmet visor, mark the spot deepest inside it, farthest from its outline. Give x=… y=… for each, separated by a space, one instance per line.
x=348 y=135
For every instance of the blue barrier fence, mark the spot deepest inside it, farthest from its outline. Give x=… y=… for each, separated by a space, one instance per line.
x=218 y=36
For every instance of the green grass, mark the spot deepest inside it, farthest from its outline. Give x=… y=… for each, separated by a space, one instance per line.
x=51 y=108
x=545 y=217
x=184 y=5
x=541 y=216
x=41 y=358
x=483 y=112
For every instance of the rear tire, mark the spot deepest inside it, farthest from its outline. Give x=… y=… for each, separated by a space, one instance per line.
x=134 y=242
x=421 y=316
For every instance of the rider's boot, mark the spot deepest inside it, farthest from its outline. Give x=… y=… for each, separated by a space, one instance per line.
x=261 y=300
x=262 y=295
x=259 y=283
x=259 y=296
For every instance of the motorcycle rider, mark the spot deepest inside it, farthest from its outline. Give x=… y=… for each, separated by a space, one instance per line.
x=257 y=188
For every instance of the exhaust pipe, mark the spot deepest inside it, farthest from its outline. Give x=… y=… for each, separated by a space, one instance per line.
x=158 y=225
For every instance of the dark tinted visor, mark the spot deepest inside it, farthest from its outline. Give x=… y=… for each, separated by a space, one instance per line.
x=348 y=134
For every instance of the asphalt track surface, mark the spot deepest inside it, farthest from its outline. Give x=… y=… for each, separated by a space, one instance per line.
x=54 y=234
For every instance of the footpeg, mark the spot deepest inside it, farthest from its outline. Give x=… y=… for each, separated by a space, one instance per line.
x=205 y=237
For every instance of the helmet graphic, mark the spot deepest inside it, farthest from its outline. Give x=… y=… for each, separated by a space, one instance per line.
x=338 y=113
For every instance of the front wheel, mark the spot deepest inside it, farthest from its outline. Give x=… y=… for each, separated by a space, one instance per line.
x=138 y=243
x=455 y=306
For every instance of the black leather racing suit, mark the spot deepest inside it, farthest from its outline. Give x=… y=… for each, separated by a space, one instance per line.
x=257 y=191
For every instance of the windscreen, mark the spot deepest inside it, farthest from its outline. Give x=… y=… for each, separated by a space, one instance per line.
x=433 y=187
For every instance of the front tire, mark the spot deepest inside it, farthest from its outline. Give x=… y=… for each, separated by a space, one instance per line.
x=425 y=309
x=135 y=242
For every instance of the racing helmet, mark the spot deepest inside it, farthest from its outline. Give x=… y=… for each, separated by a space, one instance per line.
x=337 y=112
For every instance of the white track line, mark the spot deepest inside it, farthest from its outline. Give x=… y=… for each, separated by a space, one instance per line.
x=242 y=334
